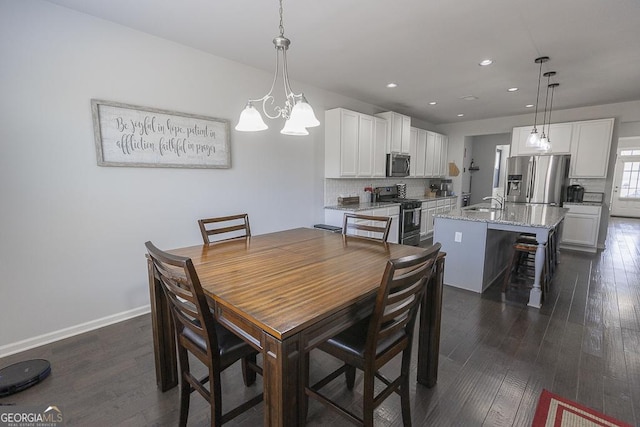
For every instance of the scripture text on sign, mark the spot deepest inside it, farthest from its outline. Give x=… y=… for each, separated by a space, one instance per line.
x=128 y=135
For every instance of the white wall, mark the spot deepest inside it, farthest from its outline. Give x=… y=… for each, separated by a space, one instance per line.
x=72 y=233
x=484 y=156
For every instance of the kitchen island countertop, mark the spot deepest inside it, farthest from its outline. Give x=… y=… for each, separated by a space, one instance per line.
x=518 y=214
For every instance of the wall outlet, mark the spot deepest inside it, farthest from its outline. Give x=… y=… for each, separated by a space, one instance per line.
x=458 y=237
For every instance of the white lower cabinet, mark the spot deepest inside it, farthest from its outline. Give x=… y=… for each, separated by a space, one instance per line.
x=580 y=227
x=335 y=217
x=430 y=209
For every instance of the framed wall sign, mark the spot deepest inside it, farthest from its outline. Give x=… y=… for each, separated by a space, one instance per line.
x=130 y=135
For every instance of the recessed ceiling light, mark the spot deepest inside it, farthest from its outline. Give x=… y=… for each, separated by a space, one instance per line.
x=433 y=103
x=392 y=85
x=485 y=62
x=512 y=89
x=529 y=106
x=460 y=115
x=469 y=98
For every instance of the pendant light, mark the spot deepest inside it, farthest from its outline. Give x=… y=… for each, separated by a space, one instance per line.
x=296 y=111
x=544 y=144
x=533 y=141
x=547 y=144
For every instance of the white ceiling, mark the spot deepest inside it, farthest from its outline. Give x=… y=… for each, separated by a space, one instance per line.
x=431 y=48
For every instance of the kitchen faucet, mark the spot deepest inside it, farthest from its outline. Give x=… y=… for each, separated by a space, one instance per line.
x=497 y=198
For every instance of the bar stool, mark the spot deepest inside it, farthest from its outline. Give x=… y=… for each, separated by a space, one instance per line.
x=523 y=261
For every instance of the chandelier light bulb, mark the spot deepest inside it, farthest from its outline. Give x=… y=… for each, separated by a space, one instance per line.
x=533 y=140
x=303 y=113
x=250 y=120
x=293 y=128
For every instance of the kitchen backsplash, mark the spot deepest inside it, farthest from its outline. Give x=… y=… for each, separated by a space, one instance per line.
x=334 y=188
x=590 y=185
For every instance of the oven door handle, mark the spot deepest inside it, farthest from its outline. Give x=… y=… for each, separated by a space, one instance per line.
x=417 y=212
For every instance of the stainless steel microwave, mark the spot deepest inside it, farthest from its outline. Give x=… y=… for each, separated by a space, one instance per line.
x=398 y=164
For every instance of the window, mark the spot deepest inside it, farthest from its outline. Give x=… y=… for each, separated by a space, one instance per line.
x=496 y=168
x=630 y=152
x=630 y=183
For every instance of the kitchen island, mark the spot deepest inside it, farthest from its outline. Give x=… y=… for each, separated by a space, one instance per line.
x=479 y=241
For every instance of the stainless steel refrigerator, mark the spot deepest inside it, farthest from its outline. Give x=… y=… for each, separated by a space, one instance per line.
x=537 y=179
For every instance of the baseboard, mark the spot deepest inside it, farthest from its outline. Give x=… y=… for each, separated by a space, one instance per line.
x=17 y=347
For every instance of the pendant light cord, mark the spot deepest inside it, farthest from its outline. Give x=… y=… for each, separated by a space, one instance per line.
x=553 y=89
x=546 y=99
x=535 y=117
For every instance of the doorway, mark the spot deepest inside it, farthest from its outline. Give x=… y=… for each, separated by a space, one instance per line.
x=625 y=197
x=500 y=170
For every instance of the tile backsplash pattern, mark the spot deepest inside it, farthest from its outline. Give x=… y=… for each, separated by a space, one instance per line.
x=590 y=185
x=334 y=188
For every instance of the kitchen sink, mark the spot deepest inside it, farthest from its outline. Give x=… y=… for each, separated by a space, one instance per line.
x=481 y=209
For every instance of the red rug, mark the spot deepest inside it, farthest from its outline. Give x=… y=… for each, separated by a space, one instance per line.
x=556 y=411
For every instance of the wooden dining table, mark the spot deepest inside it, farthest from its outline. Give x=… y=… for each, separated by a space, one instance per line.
x=286 y=292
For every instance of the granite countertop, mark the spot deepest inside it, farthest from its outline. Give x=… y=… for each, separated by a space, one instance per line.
x=430 y=199
x=531 y=215
x=362 y=206
x=584 y=203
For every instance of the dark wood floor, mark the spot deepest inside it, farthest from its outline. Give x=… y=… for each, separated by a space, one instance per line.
x=496 y=356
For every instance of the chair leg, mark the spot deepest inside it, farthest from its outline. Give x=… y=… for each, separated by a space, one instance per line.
x=185 y=393
x=185 y=387
x=367 y=398
x=405 y=399
x=350 y=375
x=507 y=276
x=248 y=374
x=215 y=398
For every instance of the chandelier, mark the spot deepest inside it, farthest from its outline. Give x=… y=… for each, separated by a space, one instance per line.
x=533 y=141
x=296 y=111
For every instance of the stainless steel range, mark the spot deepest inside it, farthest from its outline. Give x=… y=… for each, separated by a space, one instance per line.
x=410 y=214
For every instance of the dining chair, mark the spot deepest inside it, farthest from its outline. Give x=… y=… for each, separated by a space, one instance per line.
x=366 y=226
x=374 y=341
x=198 y=333
x=233 y=226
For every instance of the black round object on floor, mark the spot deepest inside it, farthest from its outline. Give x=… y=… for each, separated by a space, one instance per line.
x=22 y=375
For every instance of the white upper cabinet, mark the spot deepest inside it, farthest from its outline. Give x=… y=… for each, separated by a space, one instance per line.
x=428 y=151
x=444 y=151
x=421 y=153
x=417 y=151
x=355 y=145
x=430 y=155
x=398 y=132
x=365 y=146
x=413 y=150
x=560 y=134
x=379 y=147
x=590 y=149
x=588 y=142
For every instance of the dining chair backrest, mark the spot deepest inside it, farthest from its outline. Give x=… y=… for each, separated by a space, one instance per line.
x=225 y=227
x=367 y=226
x=403 y=282
x=189 y=308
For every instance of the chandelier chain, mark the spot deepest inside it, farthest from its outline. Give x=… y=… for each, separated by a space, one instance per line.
x=281 y=22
